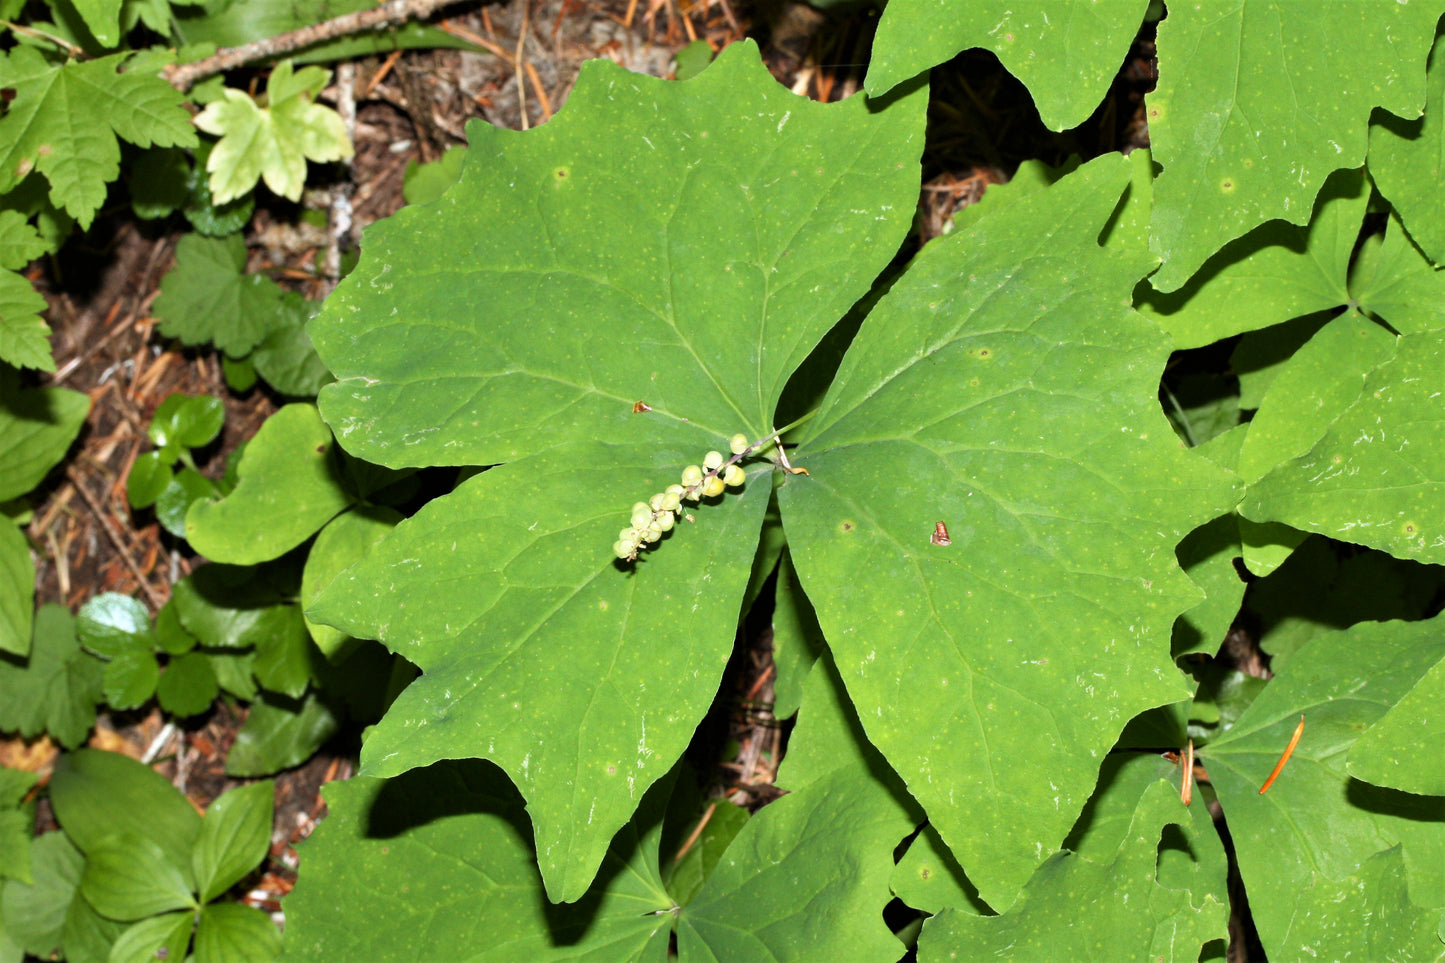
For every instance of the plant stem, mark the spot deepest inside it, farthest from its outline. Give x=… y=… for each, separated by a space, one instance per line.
x=60 y=42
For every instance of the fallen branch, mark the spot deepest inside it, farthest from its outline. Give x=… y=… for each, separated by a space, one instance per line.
x=390 y=13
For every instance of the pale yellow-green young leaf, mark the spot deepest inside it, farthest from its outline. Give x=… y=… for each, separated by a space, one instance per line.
x=272 y=143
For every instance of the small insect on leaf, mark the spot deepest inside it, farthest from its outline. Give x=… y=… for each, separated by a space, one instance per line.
x=940 y=535
x=640 y=407
x=1288 y=751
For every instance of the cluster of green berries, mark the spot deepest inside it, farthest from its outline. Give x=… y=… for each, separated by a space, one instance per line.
x=657 y=515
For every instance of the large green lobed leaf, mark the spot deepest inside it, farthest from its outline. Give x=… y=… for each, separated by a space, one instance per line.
x=1005 y=388
x=1100 y=907
x=682 y=244
x=1377 y=476
x=1066 y=52
x=1405 y=155
x=581 y=677
x=1304 y=848
x=442 y=857
x=807 y=877
x=1389 y=753
x=1252 y=111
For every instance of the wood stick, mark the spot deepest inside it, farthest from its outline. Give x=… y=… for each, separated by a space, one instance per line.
x=390 y=13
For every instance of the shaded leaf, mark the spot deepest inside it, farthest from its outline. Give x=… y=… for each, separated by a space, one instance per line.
x=130 y=679
x=56 y=689
x=34 y=913
x=1065 y=53
x=186 y=488
x=930 y=880
x=424 y=183
x=285 y=358
x=235 y=834
x=128 y=877
x=1235 y=151
x=188 y=686
x=807 y=877
x=148 y=477
x=17 y=823
x=37 y=425
x=1391 y=279
x=17 y=591
x=208 y=296
x=1390 y=752
x=343 y=542
x=24 y=336
x=98 y=795
x=1390 y=445
x=231 y=606
x=231 y=933
x=280 y=733
x=1317 y=828
x=1094 y=905
x=1276 y=272
x=444 y=855
x=1207 y=555
x=288 y=488
x=1405 y=154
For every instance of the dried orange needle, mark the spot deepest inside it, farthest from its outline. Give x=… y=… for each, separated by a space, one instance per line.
x=1186 y=784
x=1288 y=751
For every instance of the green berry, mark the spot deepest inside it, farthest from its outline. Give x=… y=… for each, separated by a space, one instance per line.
x=655 y=502
x=651 y=535
x=640 y=507
x=642 y=517
x=674 y=490
x=627 y=535
x=713 y=486
x=672 y=501
x=738 y=444
x=665 y=521
x=734 y=476
x=691 y=476
x=712 y=461
x=624 y=549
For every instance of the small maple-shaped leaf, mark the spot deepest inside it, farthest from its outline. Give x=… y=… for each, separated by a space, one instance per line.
x=64 y=121
x=272 y=142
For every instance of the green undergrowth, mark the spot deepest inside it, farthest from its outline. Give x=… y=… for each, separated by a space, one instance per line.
x=1006 y=503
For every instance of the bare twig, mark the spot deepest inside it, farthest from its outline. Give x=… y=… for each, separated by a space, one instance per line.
x=340 y=215
x=390 y=13
x=155 y=597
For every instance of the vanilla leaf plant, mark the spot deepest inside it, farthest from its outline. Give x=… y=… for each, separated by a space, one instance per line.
x=975 y=524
